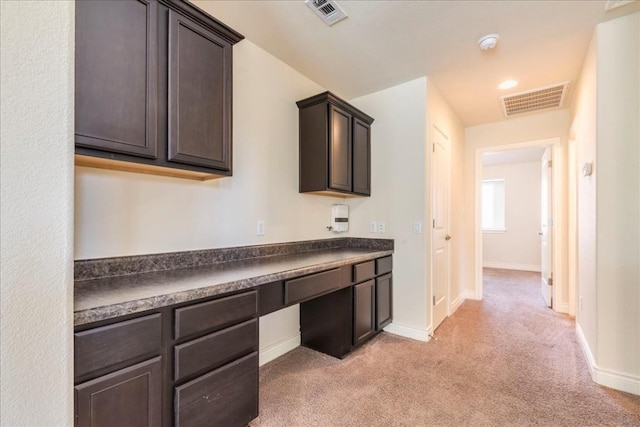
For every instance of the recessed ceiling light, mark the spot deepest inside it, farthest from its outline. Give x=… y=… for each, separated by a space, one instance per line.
x=488 y=42
x=508 y=84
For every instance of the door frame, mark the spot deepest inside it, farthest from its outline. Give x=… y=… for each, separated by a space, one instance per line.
x=435 y=128
x=558 y=214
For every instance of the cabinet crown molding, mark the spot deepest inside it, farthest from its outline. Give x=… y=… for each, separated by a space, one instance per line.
x=194 y=13
x=338 y=102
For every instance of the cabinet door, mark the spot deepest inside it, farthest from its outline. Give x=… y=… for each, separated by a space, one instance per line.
x=226 y=397
x=384 y=301
x=339 y=149
x=115 y=75
x=199 y=95
x=363 y=312
x=129 y=397
x=361 y=157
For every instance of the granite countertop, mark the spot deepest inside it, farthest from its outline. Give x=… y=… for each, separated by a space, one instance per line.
x=104 y=298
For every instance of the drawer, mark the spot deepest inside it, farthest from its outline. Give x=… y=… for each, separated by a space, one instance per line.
x=225 y=397
x=364 y=271
x=214 y=350
x=97 y=350
x=301 y=289
x=384 y=265
x=217 y=314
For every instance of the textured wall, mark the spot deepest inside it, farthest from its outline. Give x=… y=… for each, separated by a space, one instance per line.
x=398 y=181
x=607 y=131
x=119 y=213
x=36 y=167
x=440 y=114
x=401 y=182
x=618 y=201
x=584 y=124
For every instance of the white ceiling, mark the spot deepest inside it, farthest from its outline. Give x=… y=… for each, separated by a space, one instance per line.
x=385 y=43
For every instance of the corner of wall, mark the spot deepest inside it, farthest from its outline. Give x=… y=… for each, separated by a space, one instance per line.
x=36 y=295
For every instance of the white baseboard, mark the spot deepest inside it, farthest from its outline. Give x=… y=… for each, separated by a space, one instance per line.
x=563 y=308
x=585 y=349
x=456 y=303
x=617 y=380
x=464 y=295
x=471 y=295
x=607 y=377
x=409 y=332
x=512 y=266
x=277 y=349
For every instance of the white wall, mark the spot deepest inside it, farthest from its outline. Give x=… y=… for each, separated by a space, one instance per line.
x=518 y=247
x=401 y=194
x=584 y=124
x=398 y=196
x=618 y=201
x=36 y=167
x=119 y=213
x=607 y=134
x=440 y=115
x=514 y=132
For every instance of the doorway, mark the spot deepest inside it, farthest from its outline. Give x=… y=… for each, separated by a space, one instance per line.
x=518 y=233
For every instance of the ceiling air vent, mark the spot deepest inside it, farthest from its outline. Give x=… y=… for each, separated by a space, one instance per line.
x=533 y=100
x=328 y=10
x=612 y=4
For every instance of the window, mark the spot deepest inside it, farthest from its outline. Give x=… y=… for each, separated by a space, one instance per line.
x=493 y=205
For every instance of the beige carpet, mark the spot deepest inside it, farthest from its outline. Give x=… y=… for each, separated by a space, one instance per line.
x=506 y=360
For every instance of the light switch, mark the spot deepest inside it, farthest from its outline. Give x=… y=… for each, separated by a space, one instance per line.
x=417 y=227
x=373 y=226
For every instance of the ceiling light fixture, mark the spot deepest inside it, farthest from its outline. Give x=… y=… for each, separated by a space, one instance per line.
x=508 y=84
x=488 y=42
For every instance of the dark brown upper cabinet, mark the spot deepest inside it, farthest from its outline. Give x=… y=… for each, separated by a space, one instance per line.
x=335 y=147
x=153 y=88
x=116 y=82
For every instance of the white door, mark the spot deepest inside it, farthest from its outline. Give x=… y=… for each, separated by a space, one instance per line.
x=546 y=229
x=440 y=224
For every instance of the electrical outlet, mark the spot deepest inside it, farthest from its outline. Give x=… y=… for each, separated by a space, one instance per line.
x=260 y=227
x=381 y=227
x=373 y=226
x=417 y=227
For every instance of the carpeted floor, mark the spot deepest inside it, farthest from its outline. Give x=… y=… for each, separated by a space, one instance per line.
x=506 y=360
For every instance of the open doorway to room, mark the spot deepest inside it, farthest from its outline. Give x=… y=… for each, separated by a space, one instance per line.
x=515 y=216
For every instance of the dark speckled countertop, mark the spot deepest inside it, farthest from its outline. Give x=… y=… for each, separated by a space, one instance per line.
x=103 y=292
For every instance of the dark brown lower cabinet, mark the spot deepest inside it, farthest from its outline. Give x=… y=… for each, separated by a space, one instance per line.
x=363 y=312
x=225 y=397
x=325 y=323
x=128 y=397
x=384 y=301
x=196 y=363
x=337 y=322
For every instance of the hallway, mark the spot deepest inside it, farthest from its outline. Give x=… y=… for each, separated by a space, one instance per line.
x=506 y=360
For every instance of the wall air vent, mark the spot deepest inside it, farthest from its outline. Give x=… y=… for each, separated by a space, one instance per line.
x=533 y=100
x=328 y=10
